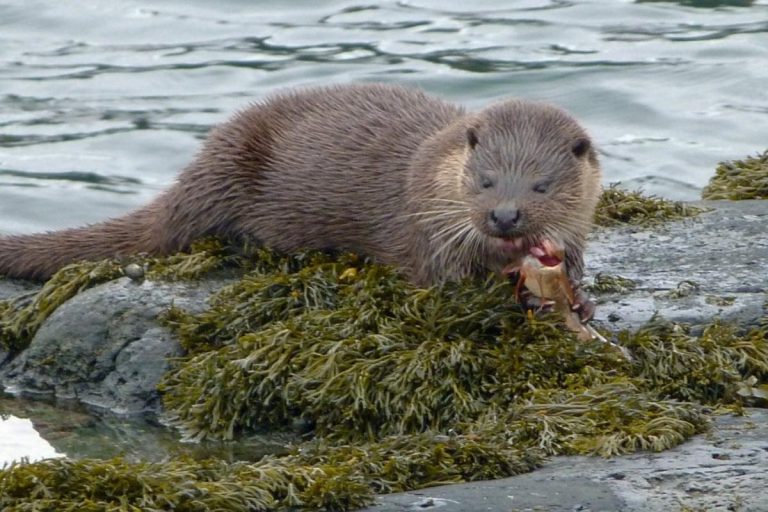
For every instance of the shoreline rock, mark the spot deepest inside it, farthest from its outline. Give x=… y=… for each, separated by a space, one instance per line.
x=725 y=470
x=690 y=271
x=105 y=347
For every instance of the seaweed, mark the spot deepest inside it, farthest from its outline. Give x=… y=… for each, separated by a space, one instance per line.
x=314 y=477
x=619 y=207
x=605 y=283
x=20 y=319
x=739 y=179
x=709 y=369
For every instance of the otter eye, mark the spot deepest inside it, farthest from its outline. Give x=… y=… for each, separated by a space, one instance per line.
x=486 y=182
x=542 y=186
x=580 y=147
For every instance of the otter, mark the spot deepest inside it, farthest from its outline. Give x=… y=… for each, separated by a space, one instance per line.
x=387 y=171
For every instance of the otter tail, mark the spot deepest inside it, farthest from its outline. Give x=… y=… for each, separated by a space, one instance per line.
x=39 y=255
x=210 y=197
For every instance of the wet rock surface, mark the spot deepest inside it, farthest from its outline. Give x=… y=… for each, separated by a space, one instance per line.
x=692 y=271
x=725 y=470
x=105 y=346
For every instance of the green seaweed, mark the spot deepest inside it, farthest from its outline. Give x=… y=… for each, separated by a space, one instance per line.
x=605 y=283
x=314 y=477
x=20 y=319
x=739 y=179
x=683 y=289
x=722 y=301
x=709 y=369
x=203 y=257
x=618 y=207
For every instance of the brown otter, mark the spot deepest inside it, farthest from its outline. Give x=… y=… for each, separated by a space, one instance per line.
x=383 y=170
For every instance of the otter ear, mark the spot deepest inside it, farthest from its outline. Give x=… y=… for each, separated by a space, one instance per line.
x=581 y=147
x=472 y=139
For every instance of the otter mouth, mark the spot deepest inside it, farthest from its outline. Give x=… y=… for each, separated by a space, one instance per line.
x=516 y=244
x=519 y=244
x=547 y=252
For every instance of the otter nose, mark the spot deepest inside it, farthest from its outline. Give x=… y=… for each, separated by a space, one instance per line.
x=505 y=219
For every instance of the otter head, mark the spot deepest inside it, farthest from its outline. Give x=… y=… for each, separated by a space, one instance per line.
x=530 y=174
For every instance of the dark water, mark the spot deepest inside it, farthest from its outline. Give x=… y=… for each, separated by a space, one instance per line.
x=102 y=102
x=38 y=430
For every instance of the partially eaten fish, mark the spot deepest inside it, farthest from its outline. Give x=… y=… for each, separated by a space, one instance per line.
x=542 y=272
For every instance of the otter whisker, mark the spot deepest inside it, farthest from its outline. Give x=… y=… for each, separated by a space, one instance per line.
x=475 y=246
x=446 y=230
x=437 y=214
x=450 y=240
x=564 y=229
x=471 y=251
x=434 y=212
x=458 y=215
x=575 y=221
x=446 y=200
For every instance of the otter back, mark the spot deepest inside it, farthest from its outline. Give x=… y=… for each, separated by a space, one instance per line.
x=382 y=170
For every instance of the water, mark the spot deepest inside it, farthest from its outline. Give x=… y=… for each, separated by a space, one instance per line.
x=101 y=105
x=38 y=430
x=102 y=102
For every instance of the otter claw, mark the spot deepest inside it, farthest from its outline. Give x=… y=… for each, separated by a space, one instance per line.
x=583 y=306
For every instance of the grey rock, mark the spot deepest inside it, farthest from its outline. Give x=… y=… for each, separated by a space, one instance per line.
x=725 y=470
x=105 y=347
x=691 y=271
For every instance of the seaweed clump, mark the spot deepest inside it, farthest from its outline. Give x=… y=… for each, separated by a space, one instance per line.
x=402 y=388
x=618 y=207
x=739 y=179
x=315 y=477
x=606 y=283
x=21 y=318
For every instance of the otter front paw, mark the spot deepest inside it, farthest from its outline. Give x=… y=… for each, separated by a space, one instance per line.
x=582 y=304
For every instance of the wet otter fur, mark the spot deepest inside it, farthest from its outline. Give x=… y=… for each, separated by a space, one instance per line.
x=383 y=170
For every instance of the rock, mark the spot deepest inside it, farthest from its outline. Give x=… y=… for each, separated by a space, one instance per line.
x=690 y=271
x=723 y=471
x=105 y=347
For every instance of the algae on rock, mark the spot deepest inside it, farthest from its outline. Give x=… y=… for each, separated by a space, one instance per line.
x=617 y=207
x=605 y=283
x=20 y=318
x=739 y=179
